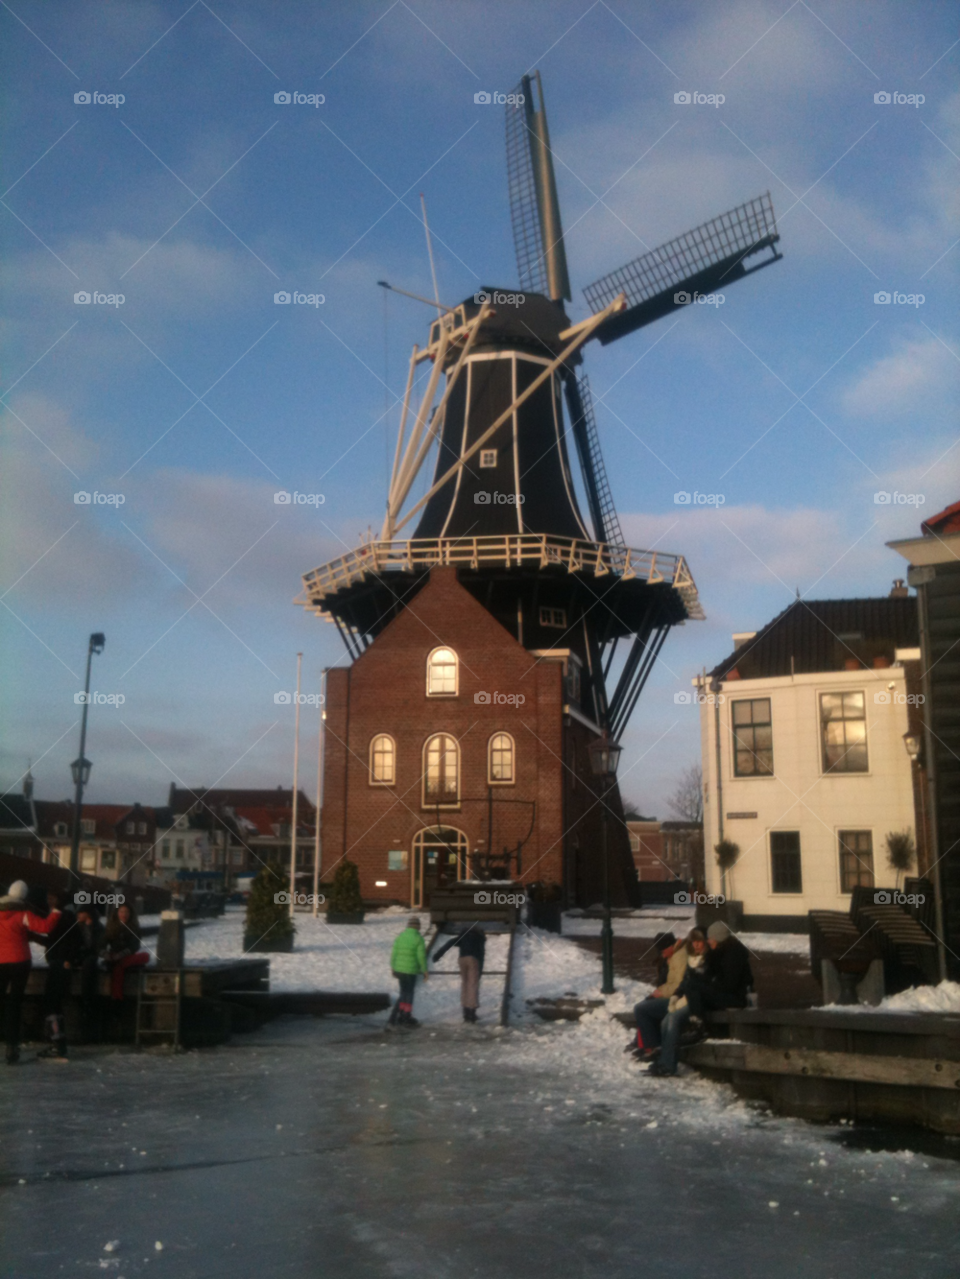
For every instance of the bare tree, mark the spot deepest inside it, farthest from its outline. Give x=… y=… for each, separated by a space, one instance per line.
x=687 y=800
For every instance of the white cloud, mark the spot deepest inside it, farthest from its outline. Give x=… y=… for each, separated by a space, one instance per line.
x=919 y=375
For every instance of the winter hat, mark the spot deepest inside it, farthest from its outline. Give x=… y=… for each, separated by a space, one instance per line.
x=413 y=921
x=663 y=941
x=718 y=931
x=18 y=889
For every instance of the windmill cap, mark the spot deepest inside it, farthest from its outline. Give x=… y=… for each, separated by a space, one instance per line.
x=526 y=320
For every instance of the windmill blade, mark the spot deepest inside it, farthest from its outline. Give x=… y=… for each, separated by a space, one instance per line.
x=606 y=523
x=704 y=260
x=532 y=186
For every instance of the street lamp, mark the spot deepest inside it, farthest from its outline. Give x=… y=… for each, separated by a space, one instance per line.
x=604 y=758
x=80 y=768
x=913 y=745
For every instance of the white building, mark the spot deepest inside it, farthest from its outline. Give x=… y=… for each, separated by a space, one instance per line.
x=804 y=760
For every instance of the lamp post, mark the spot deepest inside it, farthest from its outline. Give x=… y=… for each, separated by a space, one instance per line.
x=80 y=768
x=604 y=758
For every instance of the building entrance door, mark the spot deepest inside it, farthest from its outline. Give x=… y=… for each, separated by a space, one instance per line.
x=439 y=861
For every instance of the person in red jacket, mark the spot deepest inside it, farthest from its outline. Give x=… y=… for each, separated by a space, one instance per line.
x=16 y=922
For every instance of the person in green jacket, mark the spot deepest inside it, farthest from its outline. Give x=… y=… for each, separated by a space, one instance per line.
x=407 y=959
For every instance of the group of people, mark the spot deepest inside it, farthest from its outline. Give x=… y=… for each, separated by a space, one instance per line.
x=75 y=940
x=703 y=973
x=408 y=960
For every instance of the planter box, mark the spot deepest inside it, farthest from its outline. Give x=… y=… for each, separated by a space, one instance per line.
x=276 y=945
x=345 y=917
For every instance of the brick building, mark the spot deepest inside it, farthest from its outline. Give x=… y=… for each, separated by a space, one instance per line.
x=451 y=748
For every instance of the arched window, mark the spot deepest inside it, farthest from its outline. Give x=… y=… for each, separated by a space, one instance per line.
x=441 y=770
x=500 y=762
x=383 y=760
x=442 y=673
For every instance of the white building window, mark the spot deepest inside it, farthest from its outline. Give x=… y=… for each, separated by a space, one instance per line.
x=843 y=732
x=500 y=769
x=488 y=458
x=165 y=850
x=88 y=826
x=441 y=770
x=141 y=828
x=442 y=673
x=383 y=760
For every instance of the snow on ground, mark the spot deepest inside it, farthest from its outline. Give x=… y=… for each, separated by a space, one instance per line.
x=944 y=998
x=679 y=920
x=356 y=957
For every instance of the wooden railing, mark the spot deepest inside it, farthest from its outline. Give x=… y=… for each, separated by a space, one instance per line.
x=513 y=550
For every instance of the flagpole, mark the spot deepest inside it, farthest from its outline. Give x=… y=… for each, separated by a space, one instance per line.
x=296 y=777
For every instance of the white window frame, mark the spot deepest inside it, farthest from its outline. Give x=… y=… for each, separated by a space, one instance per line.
x=553 y=617
x=391 y=780
x=432 y=663
x=502 y=781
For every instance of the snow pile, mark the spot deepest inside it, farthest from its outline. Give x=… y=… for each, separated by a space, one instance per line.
x=944 y=998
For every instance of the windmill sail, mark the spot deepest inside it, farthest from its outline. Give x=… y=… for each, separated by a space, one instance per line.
x=534 y=208
x=606 y=522
x=703 y=260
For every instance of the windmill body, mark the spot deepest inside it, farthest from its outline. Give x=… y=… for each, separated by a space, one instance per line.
x=493 y=436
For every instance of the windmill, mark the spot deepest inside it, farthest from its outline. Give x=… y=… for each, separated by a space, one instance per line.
x=501 y=506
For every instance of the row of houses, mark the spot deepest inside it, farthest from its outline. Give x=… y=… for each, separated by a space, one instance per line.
x=207 y=837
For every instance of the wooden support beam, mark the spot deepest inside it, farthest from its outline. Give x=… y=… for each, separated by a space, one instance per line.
x=864 y=1068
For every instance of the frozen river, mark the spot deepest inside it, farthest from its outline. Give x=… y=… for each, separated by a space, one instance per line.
x=328 y=1147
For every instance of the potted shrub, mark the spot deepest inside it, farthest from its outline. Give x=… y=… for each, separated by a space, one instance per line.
x=268 y=926
x=344 y=904
x=545 y=905
x=727 y=853
x=900 y=852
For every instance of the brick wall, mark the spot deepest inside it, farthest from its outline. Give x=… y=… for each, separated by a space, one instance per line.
x=384 y=691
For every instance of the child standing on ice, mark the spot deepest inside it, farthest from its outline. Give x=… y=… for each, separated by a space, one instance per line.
x=407 y=959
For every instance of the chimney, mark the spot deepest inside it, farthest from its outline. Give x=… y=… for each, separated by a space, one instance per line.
x=899 y=591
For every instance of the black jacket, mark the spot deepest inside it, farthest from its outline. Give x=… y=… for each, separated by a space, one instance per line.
x=471 y=942
x=72 y=943
x=727 y=975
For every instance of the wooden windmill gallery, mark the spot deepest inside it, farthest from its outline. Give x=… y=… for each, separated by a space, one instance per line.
x=483 y=639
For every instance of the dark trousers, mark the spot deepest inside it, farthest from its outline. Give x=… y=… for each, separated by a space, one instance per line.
x=13 y=982
x=660 y=1028
x=404 y=1005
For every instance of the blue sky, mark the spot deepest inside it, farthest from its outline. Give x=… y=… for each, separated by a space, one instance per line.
x=197 y=398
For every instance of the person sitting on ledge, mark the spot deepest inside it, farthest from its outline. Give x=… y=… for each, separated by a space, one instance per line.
x=662 y=1018
x=120 y=947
